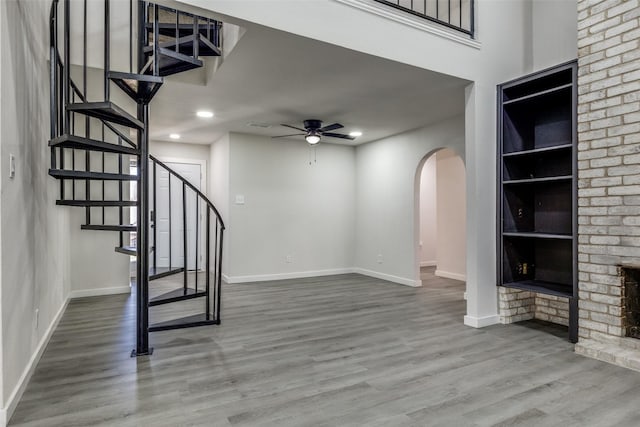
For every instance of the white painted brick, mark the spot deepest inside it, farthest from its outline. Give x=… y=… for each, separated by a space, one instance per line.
x=606 y=103
x=606 y=201
x=619 y=29
x=624 y=189
x=623 y=149
x=622 y=170
x=623 y=129
x=591 y=173
x=605 y=220
x=624 y=210
x=606 y=299
x=605 y=162
x=625 y=6
x=604 y=240
x=606 y=182
x=622 y=48
x=632 y=86
x=631 y=179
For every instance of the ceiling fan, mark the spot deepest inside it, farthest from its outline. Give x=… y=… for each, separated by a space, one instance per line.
x=313 y=131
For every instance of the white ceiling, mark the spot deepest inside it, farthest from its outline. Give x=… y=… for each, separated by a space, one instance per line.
x=273 y=77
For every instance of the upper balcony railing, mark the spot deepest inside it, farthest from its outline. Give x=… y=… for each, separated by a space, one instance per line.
x=455 y=14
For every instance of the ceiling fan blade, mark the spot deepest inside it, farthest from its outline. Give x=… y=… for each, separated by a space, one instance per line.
x=293 y=127
x=284 y=136
x=338 y=135
x=331 y=127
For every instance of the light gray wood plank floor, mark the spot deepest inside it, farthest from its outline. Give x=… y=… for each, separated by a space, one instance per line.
x=343 y=350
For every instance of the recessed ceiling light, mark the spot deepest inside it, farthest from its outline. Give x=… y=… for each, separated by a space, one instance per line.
x=355 y=134
x=205 y=114
x=174 y=136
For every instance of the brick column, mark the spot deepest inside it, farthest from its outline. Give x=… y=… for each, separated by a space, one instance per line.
x=608 y=165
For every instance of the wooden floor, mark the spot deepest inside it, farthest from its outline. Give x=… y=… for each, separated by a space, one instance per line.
x=336 y=351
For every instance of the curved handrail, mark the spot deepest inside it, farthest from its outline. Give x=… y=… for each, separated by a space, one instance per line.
x=191 y=186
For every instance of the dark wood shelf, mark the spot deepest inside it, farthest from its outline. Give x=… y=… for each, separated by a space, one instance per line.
x=542 y=287
x=539 y=94
x=568 y=146
x=536 y=180
x=537 y=235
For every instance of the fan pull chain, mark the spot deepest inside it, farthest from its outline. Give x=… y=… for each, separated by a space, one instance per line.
x=315 y=157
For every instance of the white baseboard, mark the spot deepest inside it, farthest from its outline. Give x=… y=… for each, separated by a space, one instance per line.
x=481 y=322
x=389 y=277
x=285 y=276
x=428 y=263
x=82 y=293
x=16 y=395
x=449 y=275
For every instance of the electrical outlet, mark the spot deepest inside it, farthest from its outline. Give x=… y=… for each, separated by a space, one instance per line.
x=37 y=317
x=288 y=259
x=380 y=259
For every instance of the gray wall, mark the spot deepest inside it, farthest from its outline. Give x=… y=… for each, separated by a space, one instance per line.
x=35 y=243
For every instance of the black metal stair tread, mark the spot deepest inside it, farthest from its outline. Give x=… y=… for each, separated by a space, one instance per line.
x=175 y=296
x=127 y=250
x=184 y=322
x=102 y=176
x=106 y=203
x=106 y=110
x=140 y=87
x=159 y=272
x=185 y=46
x=171 y=62
x=79 y=142
x=169 y=28
x=107 y=227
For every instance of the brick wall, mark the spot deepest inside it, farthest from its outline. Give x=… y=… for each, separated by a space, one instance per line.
x=515 y=306
x=608 y=159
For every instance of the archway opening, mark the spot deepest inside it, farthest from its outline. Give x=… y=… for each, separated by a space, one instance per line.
x=441 y=211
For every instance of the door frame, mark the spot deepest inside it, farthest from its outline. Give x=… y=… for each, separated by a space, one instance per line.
x=203 y=185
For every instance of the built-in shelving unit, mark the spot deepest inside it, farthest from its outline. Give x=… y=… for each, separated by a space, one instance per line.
x=537 y=185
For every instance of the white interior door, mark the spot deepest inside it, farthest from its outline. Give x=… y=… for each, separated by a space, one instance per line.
x=169 y=213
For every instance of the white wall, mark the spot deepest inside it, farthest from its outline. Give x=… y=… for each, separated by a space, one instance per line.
x=387 y=200
x=428 y=224
x=97 y=269
x=502 y=51
x=292 y=208
x=555 y=32
x=35 y=244
x=219 y=189
x=451 y=216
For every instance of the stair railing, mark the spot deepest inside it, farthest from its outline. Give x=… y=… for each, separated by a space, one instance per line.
x=213 y=230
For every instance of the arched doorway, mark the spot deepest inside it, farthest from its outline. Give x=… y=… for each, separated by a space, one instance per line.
x=441 y=216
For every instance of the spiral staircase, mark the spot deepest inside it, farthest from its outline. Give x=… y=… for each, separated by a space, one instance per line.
x=95 y=141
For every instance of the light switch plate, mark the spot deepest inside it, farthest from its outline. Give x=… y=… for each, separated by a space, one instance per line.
x=239 y=199
x=12 y=166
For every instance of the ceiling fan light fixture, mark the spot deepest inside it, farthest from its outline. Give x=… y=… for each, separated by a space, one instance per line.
x=312 y=138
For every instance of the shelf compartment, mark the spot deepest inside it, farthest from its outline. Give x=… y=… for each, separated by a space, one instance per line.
x=536 y=85
x=542 y=208
x=538 y=122
x=543 y=180
x=540 y=260
x=542 y=164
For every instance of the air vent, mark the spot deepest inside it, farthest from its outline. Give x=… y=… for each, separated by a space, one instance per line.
x=259 y=125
